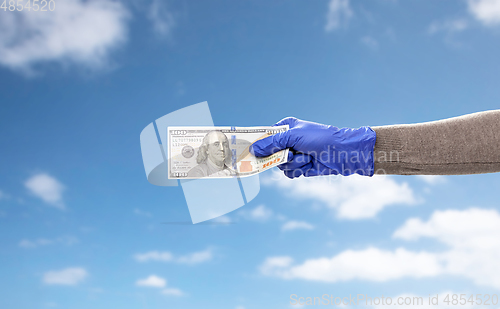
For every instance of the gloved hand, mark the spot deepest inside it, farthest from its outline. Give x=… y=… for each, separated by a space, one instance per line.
x=319 y=149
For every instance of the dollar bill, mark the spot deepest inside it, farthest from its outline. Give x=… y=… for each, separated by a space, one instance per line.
x=218 y=152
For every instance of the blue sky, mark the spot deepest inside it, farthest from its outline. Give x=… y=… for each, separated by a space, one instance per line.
x=80 y=226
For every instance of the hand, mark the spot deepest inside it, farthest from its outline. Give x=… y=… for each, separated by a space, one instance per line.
x=318 y=149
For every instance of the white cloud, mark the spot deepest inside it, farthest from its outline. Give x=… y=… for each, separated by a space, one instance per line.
x=173 y=292
x=260 y=213
x=296 y=225
x=473 y=228
x=196 y=257
x=485 y=11
x=432 y=179
x=191 y=259
x=472 y=237
x=25 y=243
x=47 y=188
x=65 y=240
x=448 y=26
x=161 y=18
x=352 y=197
x=339 y=13
x=152 y=281
x=139 y=212
x=370 y=42
x=154 y=256
x=68 y=276
x=76 y=31
x=3 y=195
x=370 y=264
x=181 y=88
x=275 y=264
x=471 y=240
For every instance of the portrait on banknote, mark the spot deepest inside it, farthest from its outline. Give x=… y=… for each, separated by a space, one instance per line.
x=214 y=157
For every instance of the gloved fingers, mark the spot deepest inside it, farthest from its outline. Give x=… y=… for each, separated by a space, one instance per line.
x=290 y=121
x=293 y=174
x=298 y=172
x=319 y=169
x=271 y=144
x=299 y=160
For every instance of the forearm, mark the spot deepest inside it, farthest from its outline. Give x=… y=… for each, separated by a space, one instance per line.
x=468 y=144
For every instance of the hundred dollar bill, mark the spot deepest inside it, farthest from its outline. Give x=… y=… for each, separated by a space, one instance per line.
x=218 y=152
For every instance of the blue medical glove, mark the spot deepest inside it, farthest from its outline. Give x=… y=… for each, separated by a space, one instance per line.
x=319 y=149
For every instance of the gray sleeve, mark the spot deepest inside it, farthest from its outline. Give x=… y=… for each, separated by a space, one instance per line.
x=468 y=144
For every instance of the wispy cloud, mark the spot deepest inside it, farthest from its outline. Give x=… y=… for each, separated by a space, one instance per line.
x=165 y=256
x=296 y=225
x=448 y=26
x=275 y=265
x=260 y=213
x=154 y=256
x=173 y=292
x=432 y=179
x=485 y=11
x=143 y=213
x=339 y=13
x=152 y=281
x=370 y=42
x=353 y=197
x=162 y=19
x=77 y=31
x=64 y=240
x=68 y=276
x=47 y=188
x=196 y=257
x=3 y=195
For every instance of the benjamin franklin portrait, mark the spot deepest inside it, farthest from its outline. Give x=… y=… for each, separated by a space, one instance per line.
x=214 y=157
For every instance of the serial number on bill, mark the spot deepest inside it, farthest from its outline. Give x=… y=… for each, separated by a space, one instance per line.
x=28 y=5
